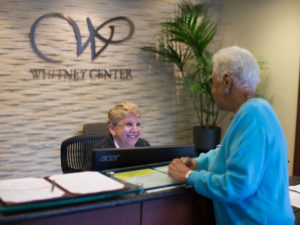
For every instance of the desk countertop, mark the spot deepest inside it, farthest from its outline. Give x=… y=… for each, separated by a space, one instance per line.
x=294 y=180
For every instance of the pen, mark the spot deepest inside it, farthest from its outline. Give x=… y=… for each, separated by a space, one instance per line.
x=53 y=185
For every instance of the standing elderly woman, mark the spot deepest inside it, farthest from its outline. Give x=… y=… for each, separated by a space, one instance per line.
x=247 y=176
x=124 y=124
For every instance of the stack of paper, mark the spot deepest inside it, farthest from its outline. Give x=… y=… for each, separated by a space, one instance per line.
x=25 y=190
x=149 y=178
x=295 y=195
x=86 y=182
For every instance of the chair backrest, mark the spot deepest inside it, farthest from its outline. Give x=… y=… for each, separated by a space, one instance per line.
x=74 y=150
x=95 y=128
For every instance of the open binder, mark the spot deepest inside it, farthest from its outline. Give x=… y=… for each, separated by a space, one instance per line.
x=18 y=195
x=60 y=186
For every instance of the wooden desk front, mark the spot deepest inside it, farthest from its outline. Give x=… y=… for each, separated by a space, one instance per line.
x=177 y=207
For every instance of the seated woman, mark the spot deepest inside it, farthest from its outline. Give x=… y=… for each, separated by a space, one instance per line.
x=124 y=124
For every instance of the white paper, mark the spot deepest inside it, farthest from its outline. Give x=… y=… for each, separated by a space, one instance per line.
x=295 y=188
x=295 y=199
x=27 y=190
x=86 y=182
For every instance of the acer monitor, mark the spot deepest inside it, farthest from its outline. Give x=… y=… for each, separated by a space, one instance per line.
x=111 y=158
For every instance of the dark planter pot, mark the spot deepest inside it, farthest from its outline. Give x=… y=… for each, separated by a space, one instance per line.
x=205 y=139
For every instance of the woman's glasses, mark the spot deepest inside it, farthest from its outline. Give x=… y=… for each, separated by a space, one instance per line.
x=129 y=126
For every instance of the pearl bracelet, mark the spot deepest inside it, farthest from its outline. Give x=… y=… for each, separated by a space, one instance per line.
x=188 y=174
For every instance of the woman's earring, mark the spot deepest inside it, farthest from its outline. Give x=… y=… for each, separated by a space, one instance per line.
x=226 y=92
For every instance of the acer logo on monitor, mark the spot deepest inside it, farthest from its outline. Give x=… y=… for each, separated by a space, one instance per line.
x=109 y=158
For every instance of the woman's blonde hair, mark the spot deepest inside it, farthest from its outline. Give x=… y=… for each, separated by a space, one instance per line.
x=121 y=111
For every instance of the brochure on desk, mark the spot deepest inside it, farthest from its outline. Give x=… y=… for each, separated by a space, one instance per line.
x=90 y=185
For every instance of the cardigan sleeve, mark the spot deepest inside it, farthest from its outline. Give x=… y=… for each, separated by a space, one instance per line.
x=204 y=159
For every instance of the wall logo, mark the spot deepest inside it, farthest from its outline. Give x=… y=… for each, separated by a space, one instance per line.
x=93 y=34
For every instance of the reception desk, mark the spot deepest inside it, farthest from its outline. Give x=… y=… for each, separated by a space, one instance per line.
x=176 y=206
x=294 y=180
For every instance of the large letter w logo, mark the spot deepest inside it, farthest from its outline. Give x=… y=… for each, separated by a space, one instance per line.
x=91 y=39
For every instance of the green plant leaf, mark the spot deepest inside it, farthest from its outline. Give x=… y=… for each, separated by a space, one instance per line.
x=184 y=42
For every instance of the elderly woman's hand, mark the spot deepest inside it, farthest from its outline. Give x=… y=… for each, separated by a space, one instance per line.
x=192 y=164
x=177 y=170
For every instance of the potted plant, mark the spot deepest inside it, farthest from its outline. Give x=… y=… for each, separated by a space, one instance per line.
x=184 y=42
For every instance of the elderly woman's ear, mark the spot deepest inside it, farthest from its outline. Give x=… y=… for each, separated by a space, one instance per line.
x=227 y=80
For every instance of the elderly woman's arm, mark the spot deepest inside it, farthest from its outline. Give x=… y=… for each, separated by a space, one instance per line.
x=179 y=168
x=245 y=154
x=204 y=159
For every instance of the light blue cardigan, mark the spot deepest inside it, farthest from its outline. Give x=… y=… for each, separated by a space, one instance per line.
x=247 y=177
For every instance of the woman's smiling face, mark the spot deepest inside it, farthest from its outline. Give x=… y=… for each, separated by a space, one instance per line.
x=127 y=132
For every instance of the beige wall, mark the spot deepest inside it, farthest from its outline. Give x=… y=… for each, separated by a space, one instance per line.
x=271 y=30
x=36 y=115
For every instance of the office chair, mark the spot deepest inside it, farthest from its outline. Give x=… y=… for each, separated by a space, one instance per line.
x=95 y=128
x=74 y=150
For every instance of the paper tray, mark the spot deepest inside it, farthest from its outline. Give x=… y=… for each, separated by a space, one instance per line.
x=147 y=177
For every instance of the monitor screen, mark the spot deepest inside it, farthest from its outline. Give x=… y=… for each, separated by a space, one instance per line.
x=110 y=158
